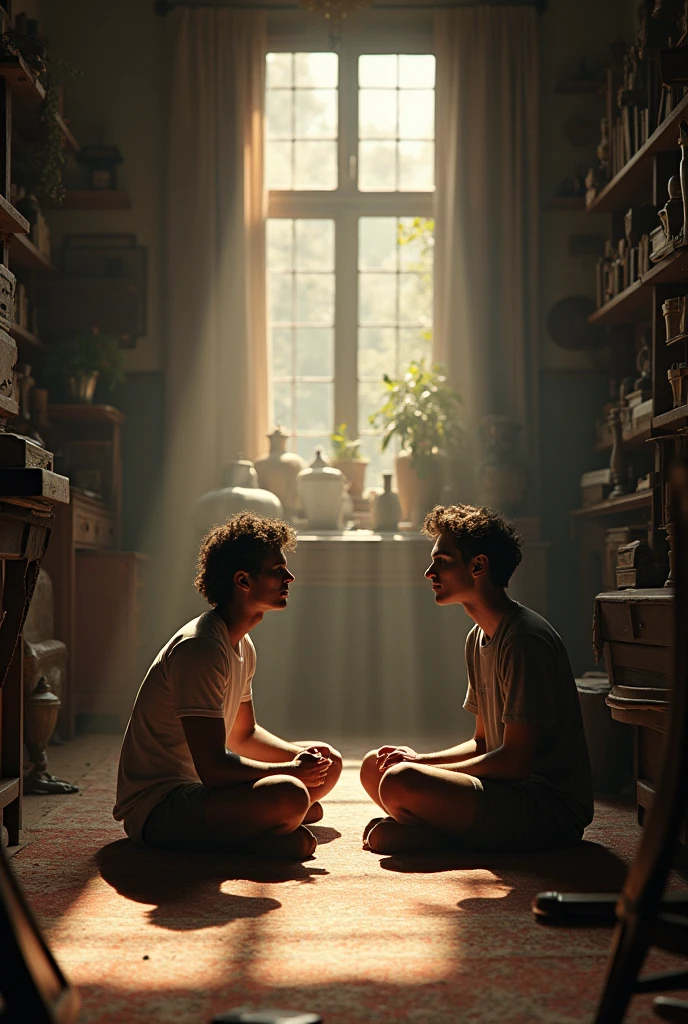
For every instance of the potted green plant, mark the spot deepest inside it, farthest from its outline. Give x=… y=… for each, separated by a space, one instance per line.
x=346 y=457
x=423 y=412
x=78 y=362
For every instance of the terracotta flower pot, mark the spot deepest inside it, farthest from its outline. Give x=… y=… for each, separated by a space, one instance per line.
x=418 y=493
x=354 y=471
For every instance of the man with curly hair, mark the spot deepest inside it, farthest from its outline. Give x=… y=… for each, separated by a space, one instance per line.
x=196 y=771
x=523 y=781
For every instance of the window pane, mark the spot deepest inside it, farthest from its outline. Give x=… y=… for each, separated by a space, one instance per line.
x=306 y=446
x=377 y=243
x=281 y=352
x=279 y=70
x=377 y=298
x=314 y=352
x=314 y=244
x=282 y=407
x=278 y=173
x=316 y=69
x=377 y=114
x=416 y=70
x=377 y=166
x=378 y=462
x=414 y=344
x=315 y=298
x=416 y=166
x=280 y=298
x=414 y=299
x=279 y=244
x=417 y=114
x=314 y=407
x=315 y=165
x=370 y=398
x=316 y=114
x=376 y=352
x=278 y=114
x=377 y=70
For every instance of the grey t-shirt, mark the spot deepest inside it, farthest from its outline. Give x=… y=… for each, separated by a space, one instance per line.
x=523 y=674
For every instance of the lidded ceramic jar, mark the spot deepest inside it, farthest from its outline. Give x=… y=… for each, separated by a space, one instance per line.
x=240 y=493
x=321 y=488
x=277 y=472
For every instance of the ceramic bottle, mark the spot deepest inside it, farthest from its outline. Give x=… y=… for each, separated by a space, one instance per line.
x=277 y=472
x=321 y=488
x=386 y=508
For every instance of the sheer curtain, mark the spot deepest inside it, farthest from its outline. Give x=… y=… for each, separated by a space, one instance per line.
x=486 y=210
x=216 y=372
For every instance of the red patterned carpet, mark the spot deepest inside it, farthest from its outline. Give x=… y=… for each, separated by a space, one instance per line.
x=150 y=937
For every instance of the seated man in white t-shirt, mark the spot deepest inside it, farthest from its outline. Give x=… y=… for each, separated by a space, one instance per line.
x=196 y=772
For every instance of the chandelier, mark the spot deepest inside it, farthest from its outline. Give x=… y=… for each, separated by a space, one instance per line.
x=335 y=10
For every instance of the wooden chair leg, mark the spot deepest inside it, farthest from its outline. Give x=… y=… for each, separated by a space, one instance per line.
x=668 y=1008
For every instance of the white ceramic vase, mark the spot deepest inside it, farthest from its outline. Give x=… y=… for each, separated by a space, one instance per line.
x=240 y=493
x=321 y=488
x=278 y=471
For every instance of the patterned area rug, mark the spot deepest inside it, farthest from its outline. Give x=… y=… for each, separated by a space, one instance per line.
x=154 y=937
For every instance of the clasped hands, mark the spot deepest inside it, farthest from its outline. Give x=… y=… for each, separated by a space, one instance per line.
x=311 y=766
x=387 y=757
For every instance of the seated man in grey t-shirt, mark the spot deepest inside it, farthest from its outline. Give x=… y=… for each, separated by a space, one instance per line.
x=523 y=781
x=196 y=771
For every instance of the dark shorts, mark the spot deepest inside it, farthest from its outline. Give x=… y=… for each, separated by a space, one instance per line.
x=521 y=816
x=178 y=822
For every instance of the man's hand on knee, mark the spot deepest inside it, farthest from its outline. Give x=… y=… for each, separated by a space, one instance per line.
x=387 y=757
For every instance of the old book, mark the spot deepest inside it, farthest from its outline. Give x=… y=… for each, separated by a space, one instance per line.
x=596 y=477
x=18 y=452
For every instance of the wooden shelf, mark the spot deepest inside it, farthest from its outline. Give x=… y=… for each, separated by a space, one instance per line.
x=634 y=440
x=615 y=506
x=635 y=178
x=668 y=419
x=30 y=95
x=25 y=255
x=672 y=269
x=571 y=203
x=9 y=791
x=629 y=305
x=11 y=221
x=21 y=334
x=85 y=414
x=91 y=199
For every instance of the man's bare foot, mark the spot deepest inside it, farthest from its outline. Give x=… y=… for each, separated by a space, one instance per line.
x=315 y=813
x=388 y=836
x=369 y=827
x=298 y=845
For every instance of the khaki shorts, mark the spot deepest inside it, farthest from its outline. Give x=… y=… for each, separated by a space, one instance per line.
x=520 y=816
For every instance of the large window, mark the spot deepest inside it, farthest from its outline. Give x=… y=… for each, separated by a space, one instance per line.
x=350 y=169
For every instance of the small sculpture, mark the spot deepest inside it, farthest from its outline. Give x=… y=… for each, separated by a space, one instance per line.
x=683 y=176
x=617 y=463
x=671 y=216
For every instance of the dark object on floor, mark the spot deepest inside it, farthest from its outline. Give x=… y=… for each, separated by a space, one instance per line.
x=569 y=907
x=610 y=743
x=45 y=784
x=645 y=919
x=32 y=986
x=244 y=1015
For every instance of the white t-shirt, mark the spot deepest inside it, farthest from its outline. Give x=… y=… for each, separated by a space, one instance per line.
x=197 y=673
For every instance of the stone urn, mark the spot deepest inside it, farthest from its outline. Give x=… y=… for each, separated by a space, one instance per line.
x=277 y=472
x=321 y=488
x=419 y=487
x=239 y=493
x=386 y=508
x=502 y=474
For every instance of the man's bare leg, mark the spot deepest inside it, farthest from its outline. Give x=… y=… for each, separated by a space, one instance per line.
x=265 y=816
x=427 y=806
x=315 y=811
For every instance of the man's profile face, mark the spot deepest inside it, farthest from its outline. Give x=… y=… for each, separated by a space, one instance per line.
x=452 y=579
x=269 y=588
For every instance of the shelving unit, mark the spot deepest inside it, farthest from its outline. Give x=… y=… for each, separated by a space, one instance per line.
x=91 y=199
x=29 y=96
x=25 y=256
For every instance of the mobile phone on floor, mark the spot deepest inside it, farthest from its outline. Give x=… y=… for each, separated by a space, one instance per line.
x=245 y=1015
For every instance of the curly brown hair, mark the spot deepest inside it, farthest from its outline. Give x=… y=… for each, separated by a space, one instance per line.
x=479 y=531
x=243 y=542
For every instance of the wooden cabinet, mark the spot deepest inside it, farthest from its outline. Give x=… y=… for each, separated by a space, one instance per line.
x=107 y=668
x=635 y=628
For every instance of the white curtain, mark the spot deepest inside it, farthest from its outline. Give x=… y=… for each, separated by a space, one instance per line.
x=486 y=210
x=216 y=372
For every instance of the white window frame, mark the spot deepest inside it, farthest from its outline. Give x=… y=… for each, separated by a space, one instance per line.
x=345 y=204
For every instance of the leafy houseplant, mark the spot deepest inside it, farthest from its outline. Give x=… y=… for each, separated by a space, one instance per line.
x=346 y=456
x=423 y=412
x=80 y=361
